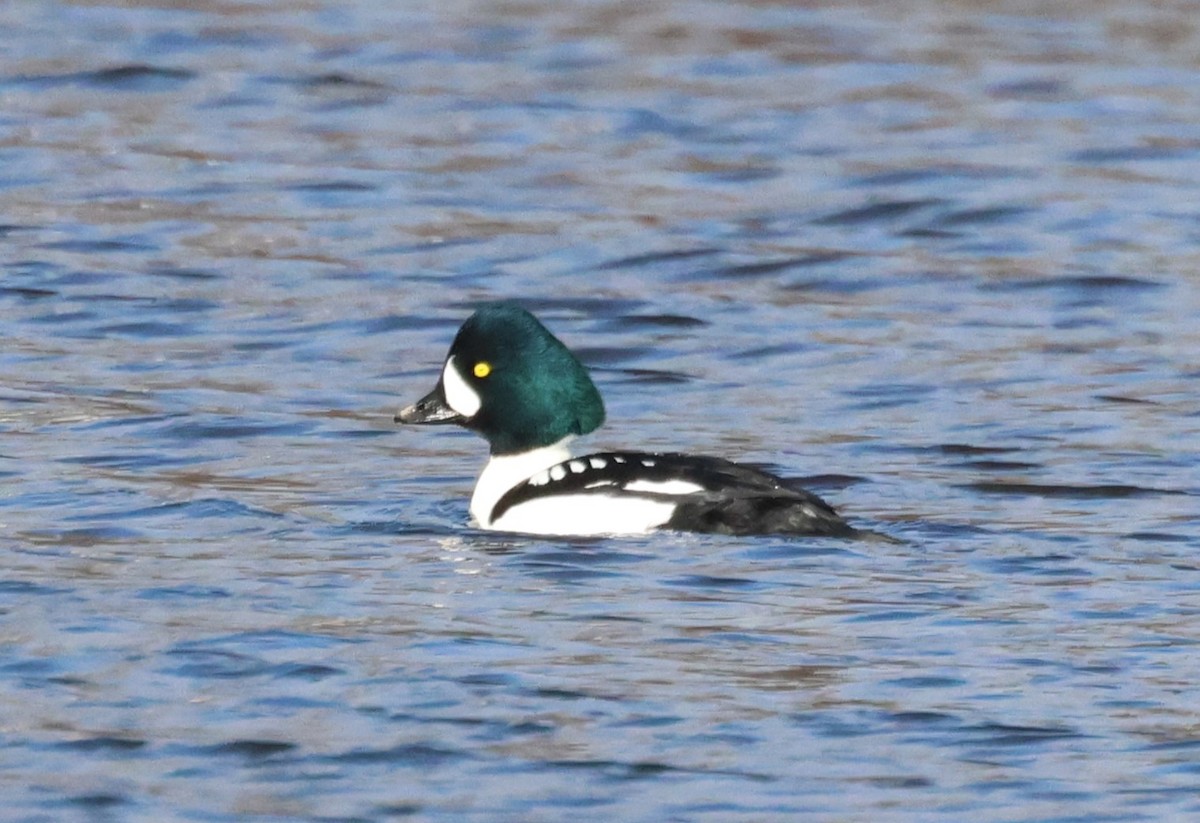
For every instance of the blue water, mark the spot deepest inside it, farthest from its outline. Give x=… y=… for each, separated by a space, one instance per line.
x=937 y=260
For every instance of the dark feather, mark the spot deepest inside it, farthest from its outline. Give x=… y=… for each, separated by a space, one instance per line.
x=735 y=499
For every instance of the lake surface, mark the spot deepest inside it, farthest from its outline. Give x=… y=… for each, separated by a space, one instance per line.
x=939 y=259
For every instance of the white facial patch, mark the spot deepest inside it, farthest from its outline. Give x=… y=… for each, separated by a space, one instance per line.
x=664 y=486
x=459 y=394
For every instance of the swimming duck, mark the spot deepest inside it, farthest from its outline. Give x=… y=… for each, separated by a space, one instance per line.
x=508 y=379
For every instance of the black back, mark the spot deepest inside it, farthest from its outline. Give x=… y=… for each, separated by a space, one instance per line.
x=735 y=499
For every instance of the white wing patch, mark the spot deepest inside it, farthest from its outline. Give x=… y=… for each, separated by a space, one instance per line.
x=664 y=486
x=585 y=515
x=459 y=395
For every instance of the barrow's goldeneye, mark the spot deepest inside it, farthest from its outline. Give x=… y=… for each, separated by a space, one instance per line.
x=510 y=380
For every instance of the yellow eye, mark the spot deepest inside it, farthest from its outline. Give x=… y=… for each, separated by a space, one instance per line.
x=483 y=368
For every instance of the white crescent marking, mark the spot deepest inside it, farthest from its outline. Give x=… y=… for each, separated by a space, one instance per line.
x=459 y=394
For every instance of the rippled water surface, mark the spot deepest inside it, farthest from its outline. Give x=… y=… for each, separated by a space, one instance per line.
x=938 y=258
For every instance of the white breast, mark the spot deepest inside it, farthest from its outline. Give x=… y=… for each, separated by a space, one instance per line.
x=505 y=471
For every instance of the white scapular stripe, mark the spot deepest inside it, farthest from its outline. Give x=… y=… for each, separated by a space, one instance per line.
x=459 y=395
x=664 y=487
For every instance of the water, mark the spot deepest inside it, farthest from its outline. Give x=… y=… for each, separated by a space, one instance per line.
x=938 y=258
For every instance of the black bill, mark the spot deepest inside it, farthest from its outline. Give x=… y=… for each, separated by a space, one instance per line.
x=432 y=409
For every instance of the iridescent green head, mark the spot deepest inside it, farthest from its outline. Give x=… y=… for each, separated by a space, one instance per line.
x=512 y=381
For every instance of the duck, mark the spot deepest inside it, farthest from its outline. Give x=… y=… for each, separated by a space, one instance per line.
x=508 y=379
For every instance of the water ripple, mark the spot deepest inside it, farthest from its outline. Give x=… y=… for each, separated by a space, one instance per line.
x=939 y=266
